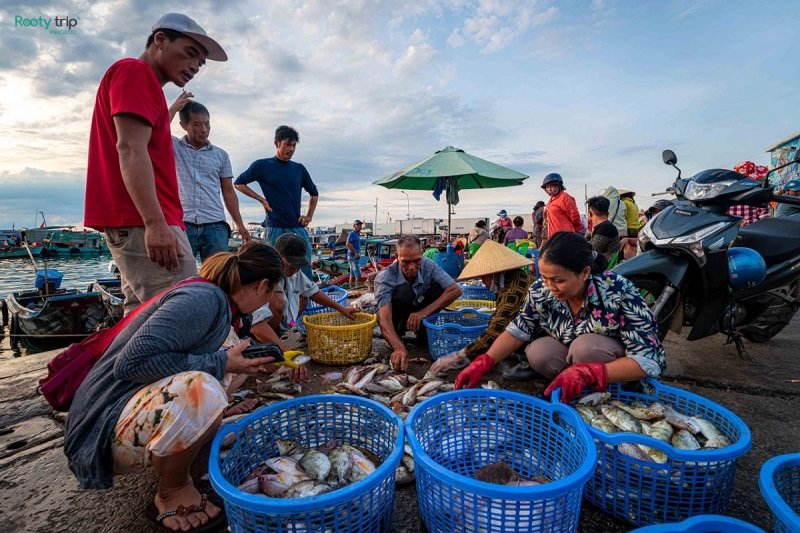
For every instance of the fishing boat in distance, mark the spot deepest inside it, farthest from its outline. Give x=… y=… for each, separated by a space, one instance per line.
x=12 y=245
x=48 y=316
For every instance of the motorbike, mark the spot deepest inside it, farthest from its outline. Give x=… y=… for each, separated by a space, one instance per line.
x=694 y=268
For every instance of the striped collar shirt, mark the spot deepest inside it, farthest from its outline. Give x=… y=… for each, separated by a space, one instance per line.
x=200 y=175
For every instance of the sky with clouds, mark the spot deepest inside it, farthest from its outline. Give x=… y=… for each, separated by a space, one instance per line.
x=593 y=89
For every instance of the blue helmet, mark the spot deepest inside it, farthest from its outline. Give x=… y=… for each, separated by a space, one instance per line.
x=553 y=177
x=746 y=268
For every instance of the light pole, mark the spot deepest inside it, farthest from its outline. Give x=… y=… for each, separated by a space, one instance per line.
x=408 y=206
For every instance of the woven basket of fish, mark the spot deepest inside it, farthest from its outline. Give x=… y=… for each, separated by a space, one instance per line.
x=482 y=306
x=334 y=339
x=494 y=460
x=662 y=456
x=780 y=485
x=450 y=331
x=334 y=292
x=321 y=463
x=476 y=292
x=709 y=523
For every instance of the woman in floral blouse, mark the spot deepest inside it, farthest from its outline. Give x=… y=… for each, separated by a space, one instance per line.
x=588 y=327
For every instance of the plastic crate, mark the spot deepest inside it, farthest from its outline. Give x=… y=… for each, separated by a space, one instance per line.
x=454 y=434
x=365 y=505
x=703 y=524
x=690 y=482
x=779 y=481
x=334 y=292
x=449 y=332
x=476 y=292
x=334 y=339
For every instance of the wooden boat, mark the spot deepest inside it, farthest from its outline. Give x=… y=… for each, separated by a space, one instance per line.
x=110 y=290
x=49 y=316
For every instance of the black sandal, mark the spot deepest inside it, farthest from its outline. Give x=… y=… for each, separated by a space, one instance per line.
x=214 y=524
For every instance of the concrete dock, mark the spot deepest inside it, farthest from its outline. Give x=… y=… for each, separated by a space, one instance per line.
x=39 y=493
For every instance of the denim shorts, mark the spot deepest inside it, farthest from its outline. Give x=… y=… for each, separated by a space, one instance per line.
x=355 y=270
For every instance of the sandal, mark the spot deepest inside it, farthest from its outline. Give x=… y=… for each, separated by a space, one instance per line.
x=214 y=524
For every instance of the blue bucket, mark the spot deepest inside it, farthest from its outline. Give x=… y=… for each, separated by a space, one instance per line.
x=779 y=481
x=455 y=433
x=449 y=332
x=450 y=262
x=365 y=505
x=703 y=524
x=476 y=292
x=334 y=292
x=53 y=276
x=690 y=482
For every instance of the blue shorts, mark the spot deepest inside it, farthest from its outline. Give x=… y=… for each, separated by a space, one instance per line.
x=207 y=239
x=355 y=270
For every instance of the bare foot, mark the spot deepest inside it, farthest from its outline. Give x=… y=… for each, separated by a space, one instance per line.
x=245 y=406
x=184 y=496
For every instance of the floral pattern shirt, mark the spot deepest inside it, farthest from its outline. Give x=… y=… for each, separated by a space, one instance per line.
x=613 y=307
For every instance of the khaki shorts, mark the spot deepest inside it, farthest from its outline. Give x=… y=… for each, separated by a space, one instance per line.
x=141 y=278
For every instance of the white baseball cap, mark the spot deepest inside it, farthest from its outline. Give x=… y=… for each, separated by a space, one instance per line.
x=190 y=28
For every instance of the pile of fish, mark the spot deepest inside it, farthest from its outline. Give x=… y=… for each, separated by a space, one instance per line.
x=657 y=420
x=380 y=383
x=298 y=472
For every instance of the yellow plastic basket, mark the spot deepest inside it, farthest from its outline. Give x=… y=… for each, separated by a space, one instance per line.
x=333 y=339
x=475 y=304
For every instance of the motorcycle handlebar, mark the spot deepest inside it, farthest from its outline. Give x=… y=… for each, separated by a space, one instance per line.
x=786 y=199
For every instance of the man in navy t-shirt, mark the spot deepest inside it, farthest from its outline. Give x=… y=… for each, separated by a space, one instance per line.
x=354 y=251
x=282 y=181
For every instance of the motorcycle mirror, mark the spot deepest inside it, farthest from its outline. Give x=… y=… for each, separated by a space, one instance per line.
x=669 y=157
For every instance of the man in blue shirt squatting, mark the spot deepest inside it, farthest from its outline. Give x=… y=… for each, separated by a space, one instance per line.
x=408 y=291
x=354 y=251
x=282 y=181
x=203 y=170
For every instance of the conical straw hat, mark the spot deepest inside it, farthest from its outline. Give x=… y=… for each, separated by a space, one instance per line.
x=493 y=257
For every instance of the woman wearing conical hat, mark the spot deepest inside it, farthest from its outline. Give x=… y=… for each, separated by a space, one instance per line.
x=500 y=269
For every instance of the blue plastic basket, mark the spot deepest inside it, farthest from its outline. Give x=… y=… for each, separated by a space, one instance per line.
x=449 y=332
x=780 y=485
x=454 y=434
x=476 y=292
x=690 y=482
x=703 y=524
x=365 y=505
x=334 y=292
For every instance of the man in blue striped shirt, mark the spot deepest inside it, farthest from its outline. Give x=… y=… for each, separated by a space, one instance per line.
x=203 y=170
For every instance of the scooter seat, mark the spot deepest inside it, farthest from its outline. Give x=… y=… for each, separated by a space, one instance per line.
x=776 y=239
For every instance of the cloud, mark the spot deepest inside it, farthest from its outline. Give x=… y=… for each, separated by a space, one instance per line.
x=58 y=194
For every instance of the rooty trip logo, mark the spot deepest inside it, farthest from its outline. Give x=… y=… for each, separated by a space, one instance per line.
x=63 y=25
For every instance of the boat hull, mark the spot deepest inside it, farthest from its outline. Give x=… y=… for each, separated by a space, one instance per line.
x=19 y=251
x=58 y=319
x=110 y=290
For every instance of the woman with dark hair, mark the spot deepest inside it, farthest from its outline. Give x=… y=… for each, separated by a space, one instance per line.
x=586 y=327
x=158 y=393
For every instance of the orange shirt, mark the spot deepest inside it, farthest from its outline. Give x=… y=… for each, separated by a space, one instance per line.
x=561 y=214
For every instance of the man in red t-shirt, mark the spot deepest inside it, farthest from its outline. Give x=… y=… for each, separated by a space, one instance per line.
x=131 y=183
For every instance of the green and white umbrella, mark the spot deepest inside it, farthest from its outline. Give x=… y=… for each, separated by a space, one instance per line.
x=450 y=170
